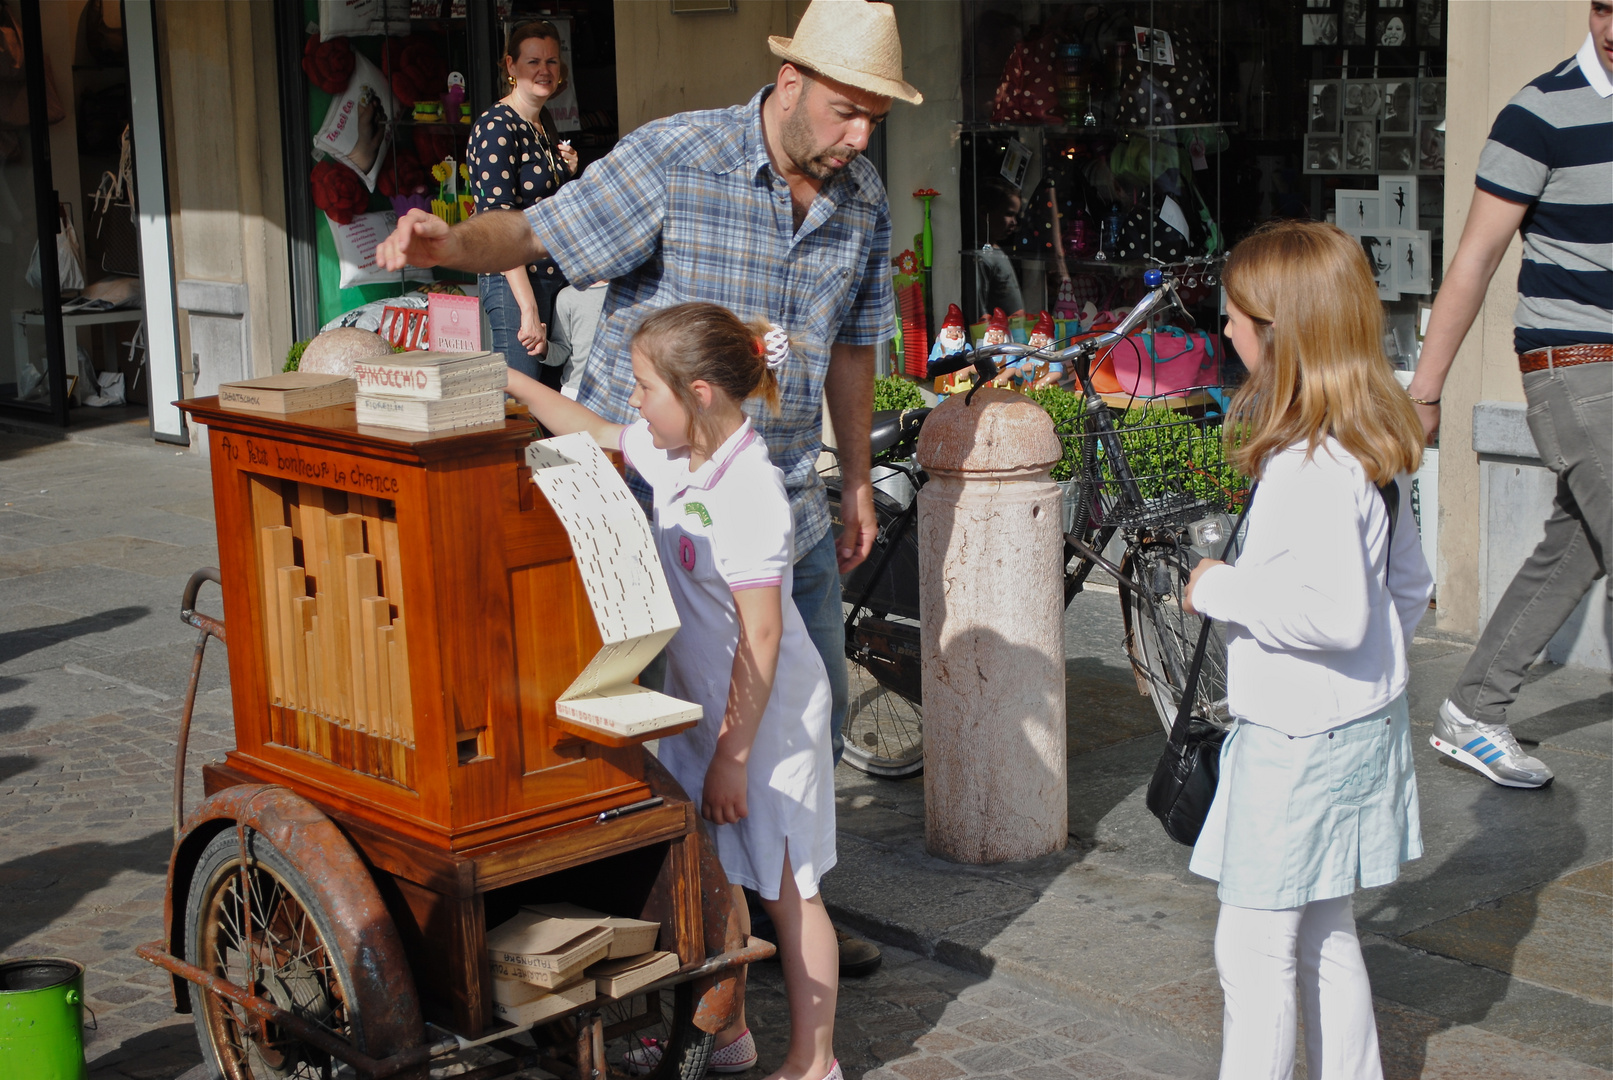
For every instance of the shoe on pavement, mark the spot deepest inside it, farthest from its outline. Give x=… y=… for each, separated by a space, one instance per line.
x=857 y=958
x=737 y=1057
x=1488 y=748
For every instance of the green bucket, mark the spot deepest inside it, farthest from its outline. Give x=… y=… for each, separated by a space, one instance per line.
x=42 y=1019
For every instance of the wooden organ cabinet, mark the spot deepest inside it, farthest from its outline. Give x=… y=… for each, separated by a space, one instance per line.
x=403 y=611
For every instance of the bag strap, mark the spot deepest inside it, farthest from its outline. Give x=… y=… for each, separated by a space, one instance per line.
x=1389 y=493
x=1184 y=711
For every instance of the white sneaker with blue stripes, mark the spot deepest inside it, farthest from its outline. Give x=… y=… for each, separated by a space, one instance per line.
x=1488 y=748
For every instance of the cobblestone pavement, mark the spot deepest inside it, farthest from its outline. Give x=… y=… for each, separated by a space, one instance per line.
x=915 y=1019
x=96 y=542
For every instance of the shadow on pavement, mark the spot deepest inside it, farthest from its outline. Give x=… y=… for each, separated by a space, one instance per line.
x=17 y=643
x=37 y=889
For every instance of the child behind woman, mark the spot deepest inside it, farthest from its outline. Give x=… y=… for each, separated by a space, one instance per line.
x=1316 y=791
x=759 y=763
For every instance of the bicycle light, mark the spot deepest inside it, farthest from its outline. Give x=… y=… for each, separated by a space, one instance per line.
x=1208 y=536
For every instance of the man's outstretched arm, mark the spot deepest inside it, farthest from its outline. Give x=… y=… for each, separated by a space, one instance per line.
x=488 y=243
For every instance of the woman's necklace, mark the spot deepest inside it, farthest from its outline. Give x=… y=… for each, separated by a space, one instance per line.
x=541 y=138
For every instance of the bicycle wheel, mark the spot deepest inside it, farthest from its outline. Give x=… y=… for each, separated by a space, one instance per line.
x=287 y=954
x=884 y=728
x=1163 y=636
x=651 y=1035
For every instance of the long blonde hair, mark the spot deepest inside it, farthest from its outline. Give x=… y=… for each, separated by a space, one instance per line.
x=1308 y=290
x=701 y=341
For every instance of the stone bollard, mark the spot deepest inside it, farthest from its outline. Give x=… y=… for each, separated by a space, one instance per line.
x=991 y=599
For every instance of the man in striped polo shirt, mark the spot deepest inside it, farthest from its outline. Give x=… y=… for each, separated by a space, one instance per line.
x=1547 y=169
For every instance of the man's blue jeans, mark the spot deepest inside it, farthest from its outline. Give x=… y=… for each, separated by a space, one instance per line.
x=817 y=598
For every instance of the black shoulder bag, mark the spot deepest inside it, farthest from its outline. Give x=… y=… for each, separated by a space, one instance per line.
x=1184 y=781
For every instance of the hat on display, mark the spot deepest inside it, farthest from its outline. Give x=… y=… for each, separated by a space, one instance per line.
x=852 y=42
x=1044 y=326
x=998 y=321
x=954 y=319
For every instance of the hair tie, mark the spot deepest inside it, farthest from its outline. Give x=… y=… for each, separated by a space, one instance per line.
x=778 y=347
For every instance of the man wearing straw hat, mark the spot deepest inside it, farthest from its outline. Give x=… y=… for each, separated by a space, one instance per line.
x=765 y=208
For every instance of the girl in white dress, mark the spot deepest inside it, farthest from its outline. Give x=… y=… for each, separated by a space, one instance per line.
x=1317 y=794
x=759 y=763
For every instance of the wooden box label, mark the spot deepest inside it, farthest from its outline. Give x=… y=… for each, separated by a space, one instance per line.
x=307 y=466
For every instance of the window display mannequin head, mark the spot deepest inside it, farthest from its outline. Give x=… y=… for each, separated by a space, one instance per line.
x=1000 y=206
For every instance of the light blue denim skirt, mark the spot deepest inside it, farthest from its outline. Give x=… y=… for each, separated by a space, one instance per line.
x=1297 y=819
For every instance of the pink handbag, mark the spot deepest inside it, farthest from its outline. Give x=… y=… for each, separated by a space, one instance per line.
x=1165 y=362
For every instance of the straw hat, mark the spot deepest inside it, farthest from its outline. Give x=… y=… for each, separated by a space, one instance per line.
x=852 y=42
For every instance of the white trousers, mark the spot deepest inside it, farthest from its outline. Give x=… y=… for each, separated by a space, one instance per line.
x=1261 y=955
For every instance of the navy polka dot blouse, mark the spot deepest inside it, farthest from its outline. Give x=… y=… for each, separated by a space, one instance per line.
x=512 y=163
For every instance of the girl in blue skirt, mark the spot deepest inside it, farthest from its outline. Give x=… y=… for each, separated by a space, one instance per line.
x=1317 y=795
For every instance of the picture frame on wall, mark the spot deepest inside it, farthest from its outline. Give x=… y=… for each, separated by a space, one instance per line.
x=1380 y=252
x=1319 y=5
x=1430 y=146
x=1324 y=153
x=1358 y=211
x=1399 y=105
x=1396 y=153
x=1318 y=28
x=1397 y=201
x=1363 y=100
x=1325 y=104
x=1430 y=24
x=1360 y=151
x=1390 y=29
x=1431 y=99
x=1413 y=272
x=1353 y=22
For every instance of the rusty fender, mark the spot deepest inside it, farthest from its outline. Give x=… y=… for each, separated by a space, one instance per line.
x=364 y=934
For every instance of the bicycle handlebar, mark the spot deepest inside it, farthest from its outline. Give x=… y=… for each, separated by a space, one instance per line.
x=1162 y=291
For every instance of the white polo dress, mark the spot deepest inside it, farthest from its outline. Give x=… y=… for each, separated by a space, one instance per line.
x=720 y=529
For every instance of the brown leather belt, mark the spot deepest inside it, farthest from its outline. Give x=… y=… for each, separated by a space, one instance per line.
x=1563 y=356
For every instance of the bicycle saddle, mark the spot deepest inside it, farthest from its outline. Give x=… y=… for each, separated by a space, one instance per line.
x=891 y=426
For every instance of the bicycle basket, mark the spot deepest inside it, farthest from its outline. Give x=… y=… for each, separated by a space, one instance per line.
x=1178 y=461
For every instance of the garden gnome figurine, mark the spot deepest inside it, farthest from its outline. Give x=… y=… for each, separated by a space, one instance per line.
x=997 y=334
x=1042 y=372
x=952 y=341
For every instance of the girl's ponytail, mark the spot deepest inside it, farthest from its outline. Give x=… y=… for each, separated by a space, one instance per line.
x=772 y=348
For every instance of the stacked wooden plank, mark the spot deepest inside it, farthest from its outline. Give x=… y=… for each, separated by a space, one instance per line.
x=431 y=391
x=551 y=958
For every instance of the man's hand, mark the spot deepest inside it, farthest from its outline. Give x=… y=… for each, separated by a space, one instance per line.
x=421 y=239
x=856 y=540
x=1193 y=579
x=723 y=800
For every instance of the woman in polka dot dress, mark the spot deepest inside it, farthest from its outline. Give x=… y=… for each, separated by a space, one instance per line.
x=514 y=161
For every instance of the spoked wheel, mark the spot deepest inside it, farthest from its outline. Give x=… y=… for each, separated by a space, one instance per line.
x=1164 y=635
x=884 y=728
x=269 y=930
x=649 y=1035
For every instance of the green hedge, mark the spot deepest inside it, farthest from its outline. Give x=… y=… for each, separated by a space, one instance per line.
x=895 y=392
x=1168 y=451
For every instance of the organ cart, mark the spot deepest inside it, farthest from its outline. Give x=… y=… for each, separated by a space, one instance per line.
x=403 y=611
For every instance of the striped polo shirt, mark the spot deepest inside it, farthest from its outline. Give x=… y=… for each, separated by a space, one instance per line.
x=1551 y=149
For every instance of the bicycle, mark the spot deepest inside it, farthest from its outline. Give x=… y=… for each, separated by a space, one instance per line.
x=1162 y=518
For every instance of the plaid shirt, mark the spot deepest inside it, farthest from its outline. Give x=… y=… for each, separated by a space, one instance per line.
x=689 y=208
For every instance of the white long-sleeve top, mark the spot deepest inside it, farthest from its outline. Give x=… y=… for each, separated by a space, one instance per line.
x=1315 y=636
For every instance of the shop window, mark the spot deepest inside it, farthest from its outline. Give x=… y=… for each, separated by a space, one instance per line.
x=378 y=110
x=1103 y=138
